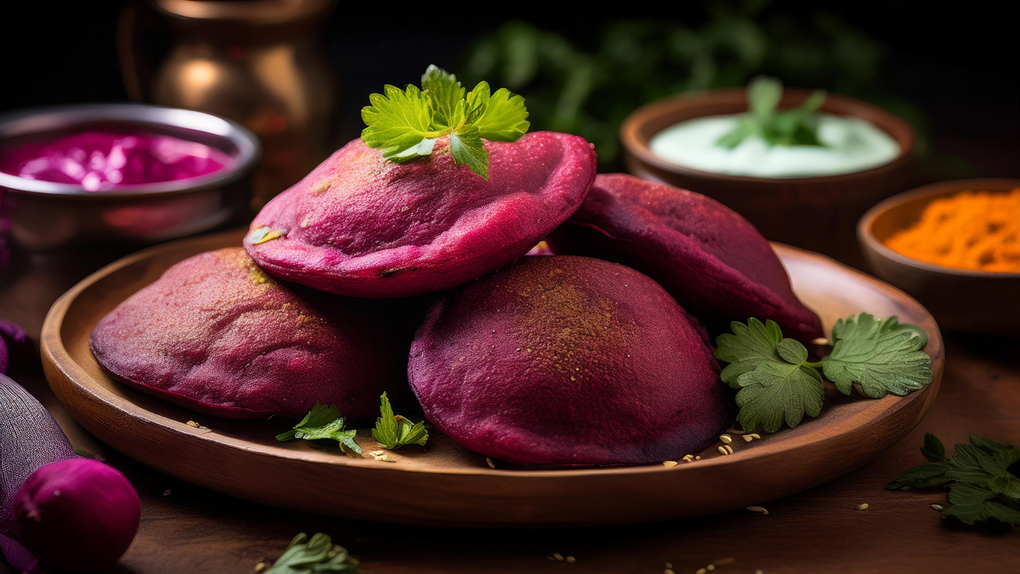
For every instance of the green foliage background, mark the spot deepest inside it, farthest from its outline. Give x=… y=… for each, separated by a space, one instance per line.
x=589 y=89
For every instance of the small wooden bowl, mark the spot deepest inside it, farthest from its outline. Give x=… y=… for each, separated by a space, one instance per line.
x=972 y=301
x=816 y=213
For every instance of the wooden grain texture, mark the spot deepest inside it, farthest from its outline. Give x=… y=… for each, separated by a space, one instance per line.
x=992 y=305
x=448 y=485
x=200 y=531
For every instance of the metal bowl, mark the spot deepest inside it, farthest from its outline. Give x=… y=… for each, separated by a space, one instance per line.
x=47 y=215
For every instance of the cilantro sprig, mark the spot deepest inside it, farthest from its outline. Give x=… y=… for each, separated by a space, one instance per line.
x=981 y=484
x=323 y=422
x=796 y=126
x=310 y=556
x=777 y=383
x=405 y=124
x=394 y=431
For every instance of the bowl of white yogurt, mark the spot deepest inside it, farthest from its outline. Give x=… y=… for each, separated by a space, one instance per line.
x=806 y=195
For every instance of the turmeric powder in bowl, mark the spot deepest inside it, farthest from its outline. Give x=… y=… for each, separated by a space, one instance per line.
x=973 y=230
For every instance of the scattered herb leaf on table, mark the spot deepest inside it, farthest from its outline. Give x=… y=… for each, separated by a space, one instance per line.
x=309 y=556
x=979 y=479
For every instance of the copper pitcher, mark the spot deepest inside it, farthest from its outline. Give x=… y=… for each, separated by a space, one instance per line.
x=257 y=62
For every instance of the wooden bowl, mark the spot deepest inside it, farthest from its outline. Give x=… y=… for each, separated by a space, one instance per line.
x=816 y=213
x=444 y=483
x=971 y=301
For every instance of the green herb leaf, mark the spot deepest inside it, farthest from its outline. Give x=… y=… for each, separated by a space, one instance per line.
x=776 y=385
x=398 y=122
x=775 y=392
x=446 y=95
x=981 y=487
x=394 y=431
x=923 y=476
x=971 y=503
x=468 y=149
x=405 y=124
x=323 y=423
x=317 y=555
x=933 y=450
x=876 y=357
x=500 y=117
x=746 y=347
x=797 y=126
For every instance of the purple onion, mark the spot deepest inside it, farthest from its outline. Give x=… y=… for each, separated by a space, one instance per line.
x=87 y=526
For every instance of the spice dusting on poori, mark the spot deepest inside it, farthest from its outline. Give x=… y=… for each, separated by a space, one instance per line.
x=973 y=230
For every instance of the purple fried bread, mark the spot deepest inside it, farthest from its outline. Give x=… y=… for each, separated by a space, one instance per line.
x=360 y=226
x=567 y=361
x=217 y=335
x=707 y=256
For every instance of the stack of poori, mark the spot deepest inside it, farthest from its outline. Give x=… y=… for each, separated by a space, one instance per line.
x=597 y=355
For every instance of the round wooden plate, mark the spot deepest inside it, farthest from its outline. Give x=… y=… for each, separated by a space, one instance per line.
x=445 y=484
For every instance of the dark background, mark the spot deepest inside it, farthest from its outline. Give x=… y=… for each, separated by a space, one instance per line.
x=951 y=72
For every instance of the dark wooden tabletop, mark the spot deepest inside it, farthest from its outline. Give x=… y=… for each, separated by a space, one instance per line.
x=186 y=529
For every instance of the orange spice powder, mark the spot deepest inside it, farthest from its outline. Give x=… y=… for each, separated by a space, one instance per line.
x=975 y=230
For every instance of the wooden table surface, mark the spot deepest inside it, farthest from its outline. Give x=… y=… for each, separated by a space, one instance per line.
x=186 y=529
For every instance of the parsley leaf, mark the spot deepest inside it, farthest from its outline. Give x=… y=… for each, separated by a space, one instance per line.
x=323 y=423
x=405 y=124
x=400 y=123
x=776 y=391
x=876 y=357
x=796 y=126
x=499 y=117
x=304 y=556
x=747 y=346
x=467 y=149
x=777 y=383
x=446 y=95
x=981 y=486
x=394 y=431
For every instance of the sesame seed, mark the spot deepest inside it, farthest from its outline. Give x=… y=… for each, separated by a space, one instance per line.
x=260 y=566
x=754 y=435
x=758 y=509
x=759 y=571
x=722 y=561
x=668 y=571
x=710 y=567
x=166 y=492
x=688 y=458
x=820 y=341
x=669 y=565
x=668 y=463
x=729 y=448
x=193 y=424
x=571 y=559
x=722 y=451
x=938 y=507
x=862 y=506
x=726 y=438
x=736 y=431
x=701 y=571
x=557 y=556
x=697 y=458
x=489 y=462
x=748 y=438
